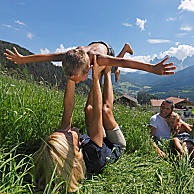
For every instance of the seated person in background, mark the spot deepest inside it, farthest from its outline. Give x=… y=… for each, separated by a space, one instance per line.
x=159 y=126
x=77 y=62
x=181 y=134
x=72 y=154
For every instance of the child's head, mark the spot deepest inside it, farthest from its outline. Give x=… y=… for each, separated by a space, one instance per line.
x=76 y=63
x=173 y=120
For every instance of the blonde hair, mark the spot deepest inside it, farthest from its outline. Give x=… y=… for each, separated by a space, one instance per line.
x=75 y=62
x=173 y=116
x=58 y=153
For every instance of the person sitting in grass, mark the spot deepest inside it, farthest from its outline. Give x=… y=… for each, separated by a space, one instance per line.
x=159 y=126
x=73 y=155
x=77 y=62
x=181 y=135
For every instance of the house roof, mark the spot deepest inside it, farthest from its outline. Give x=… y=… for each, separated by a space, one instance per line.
x=156 y=103
x=176 y=100
x=127 y=97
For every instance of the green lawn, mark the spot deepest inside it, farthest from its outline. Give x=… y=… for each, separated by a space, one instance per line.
x=29 y=112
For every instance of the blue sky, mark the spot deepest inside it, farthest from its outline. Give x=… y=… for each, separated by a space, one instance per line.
x=152 y=27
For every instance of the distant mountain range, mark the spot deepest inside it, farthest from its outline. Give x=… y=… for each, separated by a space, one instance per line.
x=179 y=85
x=180 y=64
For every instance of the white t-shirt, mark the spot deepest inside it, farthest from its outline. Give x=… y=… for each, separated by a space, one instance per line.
x=162 y=129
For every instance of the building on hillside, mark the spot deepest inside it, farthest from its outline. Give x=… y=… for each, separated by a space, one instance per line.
x=127 y=100
x=182 y=106
x=155 y=104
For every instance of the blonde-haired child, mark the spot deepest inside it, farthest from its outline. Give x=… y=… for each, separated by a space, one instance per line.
x=181 y=134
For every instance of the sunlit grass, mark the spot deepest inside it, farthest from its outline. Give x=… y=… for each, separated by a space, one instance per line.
x=29 y=112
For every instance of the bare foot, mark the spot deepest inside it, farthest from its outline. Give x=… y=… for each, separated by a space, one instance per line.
x=128 y=49
x=117 y=73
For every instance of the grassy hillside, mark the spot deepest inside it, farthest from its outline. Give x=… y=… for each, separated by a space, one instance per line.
x=29 y=112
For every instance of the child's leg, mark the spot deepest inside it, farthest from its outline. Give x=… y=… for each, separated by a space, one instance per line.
x=178 y=145
x=190 y=148
x=186 y=150
x=126 y=49
x=113 y=131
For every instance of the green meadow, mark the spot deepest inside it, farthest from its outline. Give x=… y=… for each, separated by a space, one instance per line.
x=30 y=111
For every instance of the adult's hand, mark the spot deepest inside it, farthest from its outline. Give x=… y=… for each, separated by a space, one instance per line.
x=96 y=70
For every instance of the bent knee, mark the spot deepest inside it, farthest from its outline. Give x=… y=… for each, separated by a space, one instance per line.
x=106 y=110
x=88 y=109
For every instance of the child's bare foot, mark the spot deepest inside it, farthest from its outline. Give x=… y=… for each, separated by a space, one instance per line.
x=117 y=73
x=128 y=49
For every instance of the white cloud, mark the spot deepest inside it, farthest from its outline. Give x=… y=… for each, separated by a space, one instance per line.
x=63 y=49
x=157 y=41
x=30 y=35
x=140 y=23
x=170 y=19
x=44 y=51
x=9 y=26
x=180 y=52
x=187 y=5
x=20 y=23
x=186 y=28
x=127 y=24
x=177 y=43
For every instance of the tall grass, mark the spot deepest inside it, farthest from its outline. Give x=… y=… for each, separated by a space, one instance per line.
x=15 y=169
x=29 y=112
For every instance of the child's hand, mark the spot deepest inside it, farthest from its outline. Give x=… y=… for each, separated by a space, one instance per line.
x=164 y=69
x=162 y=154
x=16 y=57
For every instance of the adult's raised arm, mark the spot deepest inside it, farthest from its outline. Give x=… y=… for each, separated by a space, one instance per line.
x=96 y=131
x=69 y=101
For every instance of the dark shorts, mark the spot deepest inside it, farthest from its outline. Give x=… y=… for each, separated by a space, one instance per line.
x=185 y=137
x=110 y=52
x=96 y=157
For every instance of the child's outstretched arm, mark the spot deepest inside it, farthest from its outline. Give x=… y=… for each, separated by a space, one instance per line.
x=160 y=68
x=17 y=58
